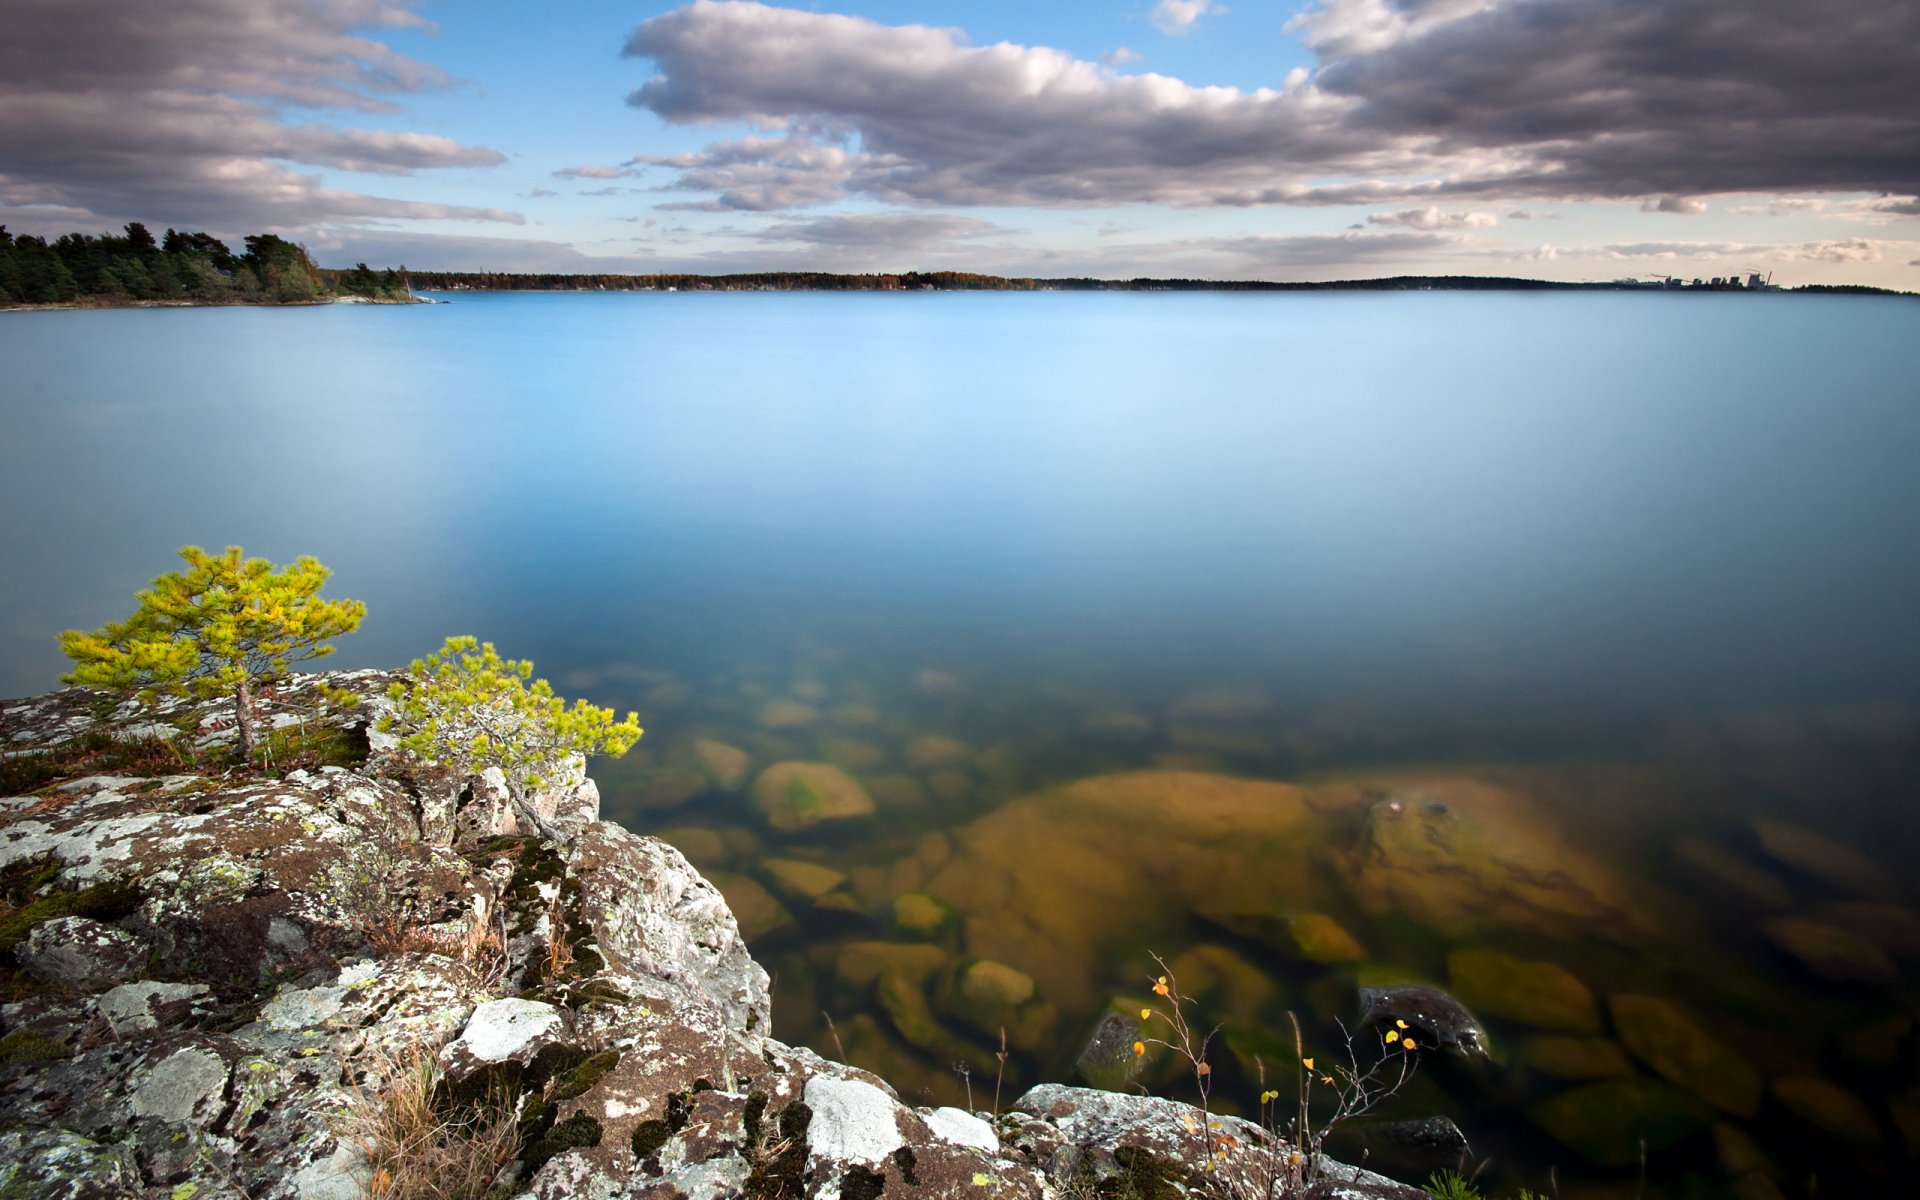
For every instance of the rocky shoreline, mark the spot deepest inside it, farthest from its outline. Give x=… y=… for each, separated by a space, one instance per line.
x=212 y=984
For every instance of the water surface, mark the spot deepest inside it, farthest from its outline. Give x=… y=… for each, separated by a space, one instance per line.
x=1640 y=566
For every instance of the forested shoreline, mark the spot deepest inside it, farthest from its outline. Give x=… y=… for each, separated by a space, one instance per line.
x=180 y=267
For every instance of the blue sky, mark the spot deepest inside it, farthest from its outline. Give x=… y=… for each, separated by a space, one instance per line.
x=1586 y=139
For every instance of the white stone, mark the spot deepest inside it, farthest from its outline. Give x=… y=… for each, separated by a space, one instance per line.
x=129 y=1007
x=302 y=1008
x=500 y=1029
x=179 y=1085
x=962 y=1129
x=341 y=1176
x=852 y=1121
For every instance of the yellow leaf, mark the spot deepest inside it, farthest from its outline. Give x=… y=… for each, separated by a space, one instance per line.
x=1307 y=1062
x=1139 y=1047
x=1409 y=1043
x=1393 y=1035
x=1146 y=1013
x=1400 y=1024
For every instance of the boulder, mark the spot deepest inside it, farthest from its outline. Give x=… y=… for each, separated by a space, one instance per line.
x=1541 y=994
x=1830 y=952
x=799 y=795
x=799 y=880
x=917 y=914
x=724 y=765
x=787 y=714
x=76 y=952
x=1566 y=1057
x=1837 y=865
x=1830 y=1108
x=1613 y=1122
x=1685 y=1052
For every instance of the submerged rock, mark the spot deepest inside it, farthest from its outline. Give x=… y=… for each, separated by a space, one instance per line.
x=1567 y=1057
x=1437 y=1019
x=1829 y=1107
x=799 y=795
x=787 y=714
x=1542 y=994
x=1678 y=1047
x=1461 y=856
x=1832 y=863
x=1410 y=1150
x=725 y=765
x=1613 y=1123
x=1831 y=952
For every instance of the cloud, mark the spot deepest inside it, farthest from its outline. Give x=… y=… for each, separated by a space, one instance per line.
x=1413 y=101
x=1843 y=250
x=1685 y=206
x=1903 y=206
x=541 y=193
x=1432 y=218
x=595 y=173
x=187 y=119
x=1345 y=250
x=1120 y=56
x=333 y=247
x=1178 y=16
x=915 y=114
x=883 y=233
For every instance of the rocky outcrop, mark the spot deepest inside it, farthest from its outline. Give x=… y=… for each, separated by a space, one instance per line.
x=221 y=987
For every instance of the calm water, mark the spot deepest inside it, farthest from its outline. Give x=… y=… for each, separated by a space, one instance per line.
x=1640 y=568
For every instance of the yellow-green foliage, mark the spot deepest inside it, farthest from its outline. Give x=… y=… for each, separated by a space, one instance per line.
x=466 y=708
x=215 y=629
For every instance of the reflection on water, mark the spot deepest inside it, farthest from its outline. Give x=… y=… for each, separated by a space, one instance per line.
x=1561 y=651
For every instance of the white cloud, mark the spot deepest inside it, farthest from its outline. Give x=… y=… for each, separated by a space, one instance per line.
x=1120 y=56
x=592 y=172
x=1178 y=16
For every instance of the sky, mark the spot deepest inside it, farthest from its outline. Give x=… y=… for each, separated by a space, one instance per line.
x=1252 y=139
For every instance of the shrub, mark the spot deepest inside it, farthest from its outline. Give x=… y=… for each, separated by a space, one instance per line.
x=219 y=628
x=465 y=708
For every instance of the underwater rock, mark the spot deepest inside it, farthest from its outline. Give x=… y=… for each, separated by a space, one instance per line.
x=950 y=785
x=859 y=965
x=799 y=795
x=1566 y=1057
x=1226 y=984
x=1117 y=724
x=1732 y=874
x=1459 y=855
x=703 y=847
x=1879 y=1045
x=853 y=714
x=929 y=750
x=787 y=714
x=851 y=754
x=993 y=997
x=725 y=765
x=1541 y=994
x=1613 y=1122
x=1739 y=1154
x=1409 y=1150
x=1892 y=927
x=802 y=880
x=1229 y=702
x=1109 y=1060
x=1679 y=1048
x=1053 y=883
x=1830 y=952
x=754 y=907
x=1830 y=1107
x=660 y=787
x=920 y=915
x=1439 y=1021
x=892 y=792
x=930 y=682
x=1832 y=863
x=1319 y=938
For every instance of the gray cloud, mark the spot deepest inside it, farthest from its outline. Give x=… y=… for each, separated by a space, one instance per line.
x=591 y=172
x=121 y=112
x=1430 y=218
x=881 y=232
x=1684 y=206
x=1415 y=100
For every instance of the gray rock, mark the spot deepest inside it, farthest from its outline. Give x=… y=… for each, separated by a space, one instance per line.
x=184 y=1088
x=134 y=1007
x=80 y=953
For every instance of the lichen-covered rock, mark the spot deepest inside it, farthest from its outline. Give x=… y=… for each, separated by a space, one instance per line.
x=75 y=952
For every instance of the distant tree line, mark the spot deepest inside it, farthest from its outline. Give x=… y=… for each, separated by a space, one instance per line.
x=180 y=267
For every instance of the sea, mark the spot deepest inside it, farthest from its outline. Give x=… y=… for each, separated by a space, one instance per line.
x=1001 y=653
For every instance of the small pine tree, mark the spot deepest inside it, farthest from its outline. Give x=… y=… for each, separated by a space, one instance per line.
x=466 y=708
x=218 y=628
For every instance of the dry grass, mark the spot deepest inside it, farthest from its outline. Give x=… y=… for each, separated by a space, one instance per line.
x=415 y=1150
